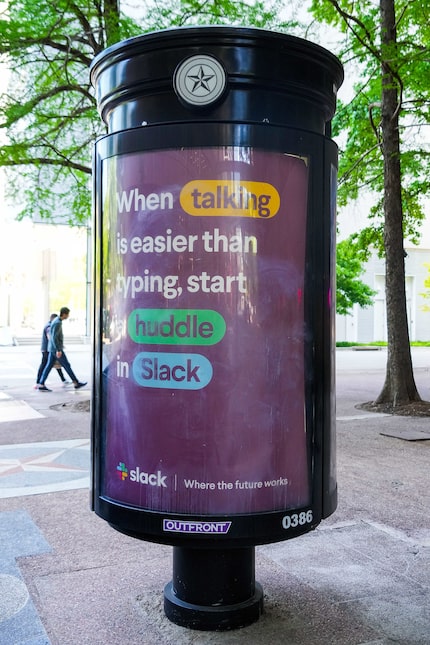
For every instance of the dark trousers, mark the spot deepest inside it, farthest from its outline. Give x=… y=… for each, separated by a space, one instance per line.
x=50 y=364
x=42 y=366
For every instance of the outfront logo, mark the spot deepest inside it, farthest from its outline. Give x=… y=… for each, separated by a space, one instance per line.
x=138 y=476
x=179 y=526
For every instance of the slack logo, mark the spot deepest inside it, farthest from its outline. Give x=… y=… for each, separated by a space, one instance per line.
x=138 y=476
x=122 y=470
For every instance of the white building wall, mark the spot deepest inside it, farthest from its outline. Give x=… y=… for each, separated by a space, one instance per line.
x=369 y=324
x=366 y=325
x=42 y=268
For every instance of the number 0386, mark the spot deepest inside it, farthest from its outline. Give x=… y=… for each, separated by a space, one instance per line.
x=297 y=519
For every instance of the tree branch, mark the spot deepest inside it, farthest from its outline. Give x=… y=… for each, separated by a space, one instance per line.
x=348 y=19
x=358 y=162
x=27 y=108
x=46 y=161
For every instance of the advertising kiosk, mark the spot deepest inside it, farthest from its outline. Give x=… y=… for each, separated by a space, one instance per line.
x=213 y=390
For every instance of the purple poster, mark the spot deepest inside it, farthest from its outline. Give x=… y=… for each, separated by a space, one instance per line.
x=203 y=330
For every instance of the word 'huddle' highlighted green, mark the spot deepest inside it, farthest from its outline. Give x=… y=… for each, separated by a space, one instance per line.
x=176 y=326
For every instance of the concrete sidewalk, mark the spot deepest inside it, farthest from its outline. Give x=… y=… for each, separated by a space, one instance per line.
x=67 y=578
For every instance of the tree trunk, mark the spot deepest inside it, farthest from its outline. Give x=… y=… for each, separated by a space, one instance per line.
x=399 y=387
x=111 y=21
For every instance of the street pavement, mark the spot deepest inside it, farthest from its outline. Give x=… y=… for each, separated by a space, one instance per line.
x=67 y=578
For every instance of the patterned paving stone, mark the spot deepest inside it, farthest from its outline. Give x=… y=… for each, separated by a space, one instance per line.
x=19 y=621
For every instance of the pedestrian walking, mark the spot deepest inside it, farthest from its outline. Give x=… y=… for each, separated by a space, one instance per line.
x=56 y=352
x=45 y=354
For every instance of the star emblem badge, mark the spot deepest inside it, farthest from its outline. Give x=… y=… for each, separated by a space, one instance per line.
x=200 y=80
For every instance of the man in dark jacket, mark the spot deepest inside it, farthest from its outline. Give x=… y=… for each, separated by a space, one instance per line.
x=45 y=353
x=56 y=352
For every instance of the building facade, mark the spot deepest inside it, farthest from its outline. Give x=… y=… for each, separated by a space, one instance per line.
x=365 y=325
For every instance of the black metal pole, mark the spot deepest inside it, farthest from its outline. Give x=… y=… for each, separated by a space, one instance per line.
x=213 y=589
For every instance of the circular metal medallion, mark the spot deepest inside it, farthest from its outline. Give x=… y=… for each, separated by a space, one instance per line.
x=199 y=80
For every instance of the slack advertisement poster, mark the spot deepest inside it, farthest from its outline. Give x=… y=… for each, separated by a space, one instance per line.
x=203 y=265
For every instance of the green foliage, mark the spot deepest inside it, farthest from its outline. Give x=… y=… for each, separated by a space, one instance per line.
x=426 y=294
x=384 y=148
x=48 y=112
x=349 y=267
x=215 y=12
x=357 y=124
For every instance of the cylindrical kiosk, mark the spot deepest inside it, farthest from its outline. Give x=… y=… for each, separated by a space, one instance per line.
x=213 y=395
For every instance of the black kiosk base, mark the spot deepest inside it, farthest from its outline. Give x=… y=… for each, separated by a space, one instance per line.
x=213 y=589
